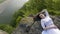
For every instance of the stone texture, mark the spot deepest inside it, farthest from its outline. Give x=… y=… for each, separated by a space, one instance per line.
x=36 y=27
x=3 y=32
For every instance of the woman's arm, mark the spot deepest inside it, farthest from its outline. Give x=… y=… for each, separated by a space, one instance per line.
x=42 y=24
x=49 y=27
x=45 y=12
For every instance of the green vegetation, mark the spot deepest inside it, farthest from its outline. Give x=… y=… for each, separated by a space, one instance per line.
x=6 y=27
x=32 y=7
x=35 y=6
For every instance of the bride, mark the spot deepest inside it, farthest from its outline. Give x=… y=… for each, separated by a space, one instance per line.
x=47 y=23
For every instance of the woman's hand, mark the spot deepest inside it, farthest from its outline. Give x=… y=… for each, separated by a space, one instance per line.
x=50 y=27
x=46 y=28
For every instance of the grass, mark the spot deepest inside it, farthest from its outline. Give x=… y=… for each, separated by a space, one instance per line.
x=2 y=1
x=54 y=12
x=7 y=28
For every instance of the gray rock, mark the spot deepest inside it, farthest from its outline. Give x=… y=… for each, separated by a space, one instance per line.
x=36 y=27
x=3 y=32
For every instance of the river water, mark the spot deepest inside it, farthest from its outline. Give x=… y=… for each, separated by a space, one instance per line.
x=7 y=9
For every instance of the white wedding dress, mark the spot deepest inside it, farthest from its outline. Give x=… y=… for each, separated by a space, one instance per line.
x=47 y=21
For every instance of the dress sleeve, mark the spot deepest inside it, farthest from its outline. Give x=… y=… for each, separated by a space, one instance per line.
x=45 y=12
x=42 y=24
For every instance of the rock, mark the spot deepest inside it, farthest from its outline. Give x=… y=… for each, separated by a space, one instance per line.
x=21 y=29
x=3 y=32
x=36 y=27
x=56 y=21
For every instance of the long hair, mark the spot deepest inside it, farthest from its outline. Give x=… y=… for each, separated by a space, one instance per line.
x=37 y=18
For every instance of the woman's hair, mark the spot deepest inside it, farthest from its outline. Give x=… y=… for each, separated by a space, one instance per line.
x=37 y=18
x=43 y=13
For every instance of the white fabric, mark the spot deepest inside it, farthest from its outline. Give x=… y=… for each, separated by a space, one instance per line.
x=51 y=31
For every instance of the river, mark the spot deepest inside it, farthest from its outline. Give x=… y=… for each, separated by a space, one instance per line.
x=8 y=8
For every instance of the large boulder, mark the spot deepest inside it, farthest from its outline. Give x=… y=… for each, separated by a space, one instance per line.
x=35 y=28
x=3 y=32
x=56 y=20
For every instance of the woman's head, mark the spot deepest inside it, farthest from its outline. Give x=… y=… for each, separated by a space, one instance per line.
x=39 y=17
x=42 y=16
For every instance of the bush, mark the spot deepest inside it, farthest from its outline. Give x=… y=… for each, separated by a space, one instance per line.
x=33 y=7
x=7 y=28
x=54 y=12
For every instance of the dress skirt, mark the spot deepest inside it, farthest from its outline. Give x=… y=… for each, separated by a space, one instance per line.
x=51 y=31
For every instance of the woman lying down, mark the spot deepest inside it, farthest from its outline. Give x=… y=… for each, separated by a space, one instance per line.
x=47 y=23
